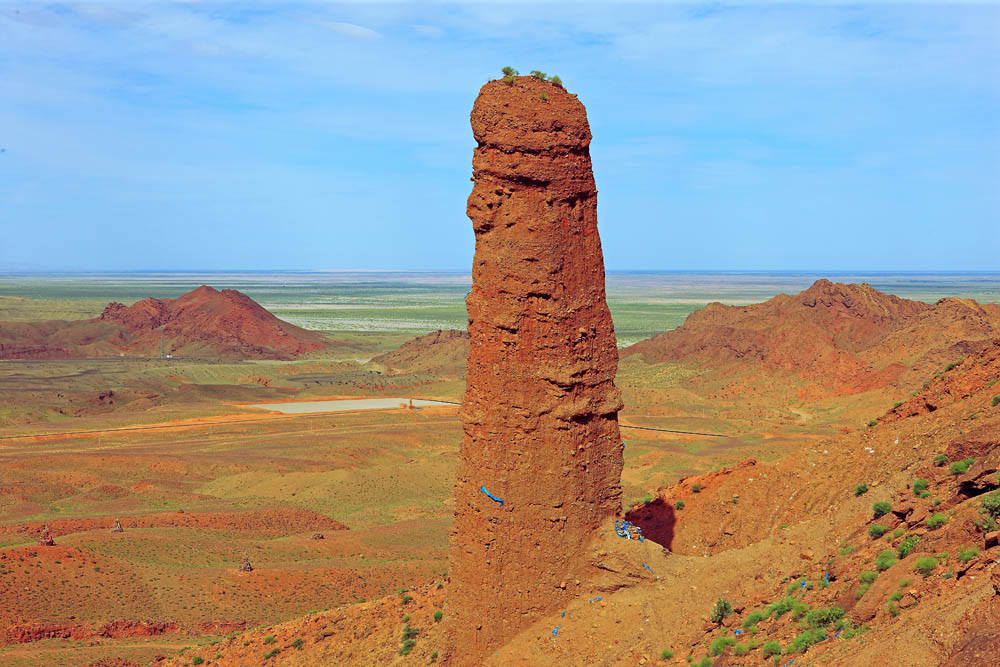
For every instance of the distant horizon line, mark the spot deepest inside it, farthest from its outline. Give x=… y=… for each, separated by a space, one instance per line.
x=69 y=272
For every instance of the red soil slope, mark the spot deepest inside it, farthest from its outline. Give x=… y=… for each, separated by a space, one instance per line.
x=845 y=338
x=203 y=322
x=441 y=353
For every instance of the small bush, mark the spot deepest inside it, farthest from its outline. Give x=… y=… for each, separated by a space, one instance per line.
x=741 y=649
x=679 y=504
x=862 y=589
x=906 y=546
x=996 y=400
x=538 y=75
x=876 y=531
x=407 y=646
x=935 y=502
x=509 y=71
x=846 y=550
x=273 y=652
x=433 y=658
x=410 y=633
x=543 y=97
x=868 y=576
x=925 y=565
x=269 y=639
x=297 y=643
x=950 y=366
x=936 y=521
x=896 y=597
x=897 y=533
x=666 y=654
x=721 y=609
x=861 y=489
x=696 y=488
x=881 y=508
x=959 y=467
x=885 y=560
x=770 y=648
x=438 y=615
x=806 y=639
x=781 y=607
x=990 y=505
x=197 y=660
x=965 y=555
x=896 y=404
x=753 y=619
x=405 y=599
x=720 y=645
x=818 y=618
x=920 y=484
x=872 y=422
x=556 y=80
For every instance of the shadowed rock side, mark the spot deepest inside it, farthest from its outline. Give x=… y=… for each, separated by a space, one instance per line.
x=540 y=415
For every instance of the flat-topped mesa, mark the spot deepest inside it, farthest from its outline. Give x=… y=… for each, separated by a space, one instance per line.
x=540 y=414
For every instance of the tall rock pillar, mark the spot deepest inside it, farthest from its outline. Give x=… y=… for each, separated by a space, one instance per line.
x=540 y=415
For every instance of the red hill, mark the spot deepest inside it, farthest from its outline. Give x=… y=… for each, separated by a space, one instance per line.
x=845 y=337
x=204 y=322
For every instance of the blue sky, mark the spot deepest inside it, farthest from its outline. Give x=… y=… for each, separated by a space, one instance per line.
x=210 y=135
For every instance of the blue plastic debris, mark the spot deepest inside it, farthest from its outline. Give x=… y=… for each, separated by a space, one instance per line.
x=563 y=615
x=739 y=632
x=593 y=600
x=483 y=489
x=627 y=529
x=556 y=631
x=826 y=577
x=802 y=585
x=647 y=567
x=838 y=632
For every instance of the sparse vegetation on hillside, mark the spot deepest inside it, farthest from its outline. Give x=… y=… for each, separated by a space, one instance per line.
x=959 y=467
x=721 y=609
x=861 y=489
x=881 y=508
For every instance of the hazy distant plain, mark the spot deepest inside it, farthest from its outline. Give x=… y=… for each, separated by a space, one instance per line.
x=642 y=303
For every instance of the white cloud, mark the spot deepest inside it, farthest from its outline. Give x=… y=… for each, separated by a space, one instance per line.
x=350 y=29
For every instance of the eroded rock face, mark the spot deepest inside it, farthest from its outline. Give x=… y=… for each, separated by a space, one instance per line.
x=540 y=414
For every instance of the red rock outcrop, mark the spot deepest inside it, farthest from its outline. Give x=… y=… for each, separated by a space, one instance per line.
x=846 y=338
x=540 y=414
x=204 y=323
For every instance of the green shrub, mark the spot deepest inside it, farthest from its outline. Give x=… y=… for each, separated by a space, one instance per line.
x=297 y=643
x=920 y=484
x=881 y=508
x=269 y=639
x=818 y=618
x=438 y=615
x=753 y=618
x=935 y=502
x=720 y=645
x=273 y=652
x=990 y=505
x=696 y=488
x=950 y=366
x=885 y=560
x=896 y=404
x=539 y=75
x=941 y=458
x=897 y=533
x=509 y=71
x=410 y=633
x=896 y=597
x=556 y=80
x=666 y=654
x=965 y=555
x=872 y=422
x=781 y=607
x=996 y=400
x=405 y=599
x=543 y=97
x=906 y=546
x=721 y=609
x=893 y=609
x=846 y=550
x=679 y=504
x=741 y=649
x=806 y=639
x=197 y=660
x=876 y=531
x=770 y=648
x=407 y=646
x=861 y=489
x=959 y=467
x=862 y=589
x=926 y=565
x=406 y=619
x=936 y=521
x=509 y=80
x=868 y=576
x=433 y=658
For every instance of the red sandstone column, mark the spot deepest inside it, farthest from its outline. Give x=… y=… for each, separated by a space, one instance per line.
x=540 y=415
